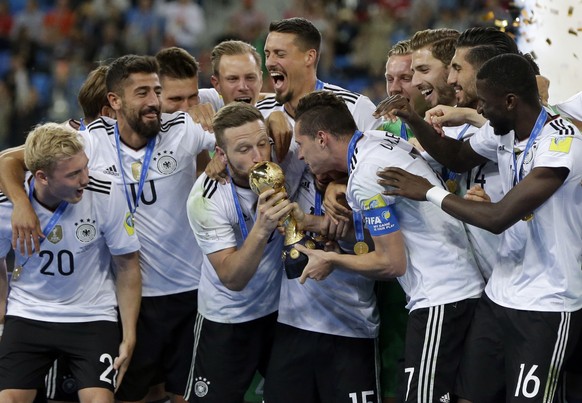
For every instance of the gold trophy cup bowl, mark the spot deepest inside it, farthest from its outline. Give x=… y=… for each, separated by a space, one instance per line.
x=268 y=175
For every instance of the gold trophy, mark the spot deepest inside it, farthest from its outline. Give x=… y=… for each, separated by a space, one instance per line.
x=268 y=175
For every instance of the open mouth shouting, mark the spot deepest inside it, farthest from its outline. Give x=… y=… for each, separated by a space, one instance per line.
x=246 y=99
x=278 y=79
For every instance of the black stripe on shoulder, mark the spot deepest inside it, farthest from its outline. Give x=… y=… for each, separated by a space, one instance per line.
x=267 y=103
x=348 y=96
x=3 y=198
x=99 y=186
x=180 y=119
x=210 y=186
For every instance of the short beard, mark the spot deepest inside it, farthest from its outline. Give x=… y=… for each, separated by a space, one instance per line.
x=146 y=130
x=283 y=99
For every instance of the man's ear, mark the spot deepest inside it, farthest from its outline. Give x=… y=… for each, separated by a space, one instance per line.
x=311 y=57
x=114 y=100
x=322 y=138
x=511 y=101
x=221 y=154
x=215 y=84
x=41 y=177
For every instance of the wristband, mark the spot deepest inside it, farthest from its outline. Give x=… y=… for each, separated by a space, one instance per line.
x=435 y=195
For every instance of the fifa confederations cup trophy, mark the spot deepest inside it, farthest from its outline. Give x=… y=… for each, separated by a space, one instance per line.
x=268 y=175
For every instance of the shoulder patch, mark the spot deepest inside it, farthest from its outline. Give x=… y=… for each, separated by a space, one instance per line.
x=561 y=144
x=374 y=202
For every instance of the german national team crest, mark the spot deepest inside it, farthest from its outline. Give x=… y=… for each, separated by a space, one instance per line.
x=55 y=235
x=201 y=386
x=136 y=170
x=86 y=230
x=166 y=163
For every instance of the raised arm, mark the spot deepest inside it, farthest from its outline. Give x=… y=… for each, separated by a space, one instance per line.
x=235 y=267
x=519 y=202
x=128 y=285
x=453 y=154
x=26 y=230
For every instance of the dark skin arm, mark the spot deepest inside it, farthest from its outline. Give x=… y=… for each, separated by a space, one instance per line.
x=456 y=155
x=524 y=198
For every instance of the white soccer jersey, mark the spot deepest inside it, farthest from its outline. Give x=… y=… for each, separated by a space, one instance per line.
x=538 y=263
x=572 y=107
x=170 y=258
x=441 y=268
x=359 y=105
x=212 y=97
x=343 y=305
x=214 y=221
x=70 y=279
x=485 y=244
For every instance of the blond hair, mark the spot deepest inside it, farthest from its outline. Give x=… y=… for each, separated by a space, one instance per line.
x=48 y=144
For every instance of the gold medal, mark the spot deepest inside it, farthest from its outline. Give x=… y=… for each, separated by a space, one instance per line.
x=452 y=185
x=16 y=273
x=136 y=170
x=309 y=244
x=361 y=248
x=294 y=253
x=528 y=217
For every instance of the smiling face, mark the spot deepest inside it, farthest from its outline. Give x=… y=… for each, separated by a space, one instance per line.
x=463 y=77
x=244 y=146
x=65 y=182
x=430 y=77
x=399 y=81
x=139 y=103
x=288 y=66
x=239 y=79
x=179 y=94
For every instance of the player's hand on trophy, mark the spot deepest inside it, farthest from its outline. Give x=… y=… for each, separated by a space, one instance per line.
x=318 y=267
x=271 y=209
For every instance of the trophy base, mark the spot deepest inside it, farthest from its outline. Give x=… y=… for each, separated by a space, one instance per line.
x=296 y=261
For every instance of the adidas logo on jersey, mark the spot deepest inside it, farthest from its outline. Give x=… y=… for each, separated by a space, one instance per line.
x=112 y=170
x=445 y=399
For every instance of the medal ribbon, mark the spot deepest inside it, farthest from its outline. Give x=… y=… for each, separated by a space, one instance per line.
x=143 y=173
x=241 y=218
x=357 y=216
x=54 y=218
x=318 y=85
x=317 y=206
x=539 y=125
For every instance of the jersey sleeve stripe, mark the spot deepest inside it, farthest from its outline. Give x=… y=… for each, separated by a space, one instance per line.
x=210 y=187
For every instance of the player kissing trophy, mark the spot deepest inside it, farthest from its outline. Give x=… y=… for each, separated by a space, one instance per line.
x=268 y=175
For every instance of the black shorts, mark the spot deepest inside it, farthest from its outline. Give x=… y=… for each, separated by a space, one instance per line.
x=163 y=350
x=226 y=358
x=310 y=367
x=516 y=356
x=29 y=348
x=60 y=383
x=432 y=352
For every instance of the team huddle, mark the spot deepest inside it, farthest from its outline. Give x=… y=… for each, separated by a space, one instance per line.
x=444 y=252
